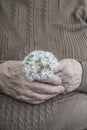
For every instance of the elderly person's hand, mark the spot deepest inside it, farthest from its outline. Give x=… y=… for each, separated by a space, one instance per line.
x=13 y=82
x=70 y=72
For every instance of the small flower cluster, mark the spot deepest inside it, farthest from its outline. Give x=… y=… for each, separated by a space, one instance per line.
x=39 y=65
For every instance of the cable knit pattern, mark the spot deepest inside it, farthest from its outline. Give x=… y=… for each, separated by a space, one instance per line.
x=52 y=25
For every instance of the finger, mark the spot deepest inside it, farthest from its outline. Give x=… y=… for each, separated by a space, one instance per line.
x=35 y=97
x=54 y=80
x=59 y=68
x=46 y=88
x=42 y=87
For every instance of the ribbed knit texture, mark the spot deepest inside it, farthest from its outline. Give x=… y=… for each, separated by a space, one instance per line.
x=58 y=26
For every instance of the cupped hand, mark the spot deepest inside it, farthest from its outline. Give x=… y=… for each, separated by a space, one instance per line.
x=14 y=83
x=70 y=72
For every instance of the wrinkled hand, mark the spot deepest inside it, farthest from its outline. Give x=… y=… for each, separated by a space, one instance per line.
x=13 y=82
x=70 y=72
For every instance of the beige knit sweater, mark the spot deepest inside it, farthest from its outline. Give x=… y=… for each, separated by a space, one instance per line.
x=58 y=26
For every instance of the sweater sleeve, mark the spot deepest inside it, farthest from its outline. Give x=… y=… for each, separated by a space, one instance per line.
x=83 y=85
x=2 y=62
x=0 y=87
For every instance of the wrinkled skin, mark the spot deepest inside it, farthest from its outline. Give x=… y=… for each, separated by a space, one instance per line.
x=13 y=81
x=70 y=72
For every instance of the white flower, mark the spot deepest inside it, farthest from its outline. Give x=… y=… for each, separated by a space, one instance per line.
x=39 y=65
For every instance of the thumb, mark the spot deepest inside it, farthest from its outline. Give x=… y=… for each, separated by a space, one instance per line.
x=59 y=67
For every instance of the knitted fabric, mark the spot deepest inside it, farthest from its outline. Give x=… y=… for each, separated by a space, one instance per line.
x=58 y=26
